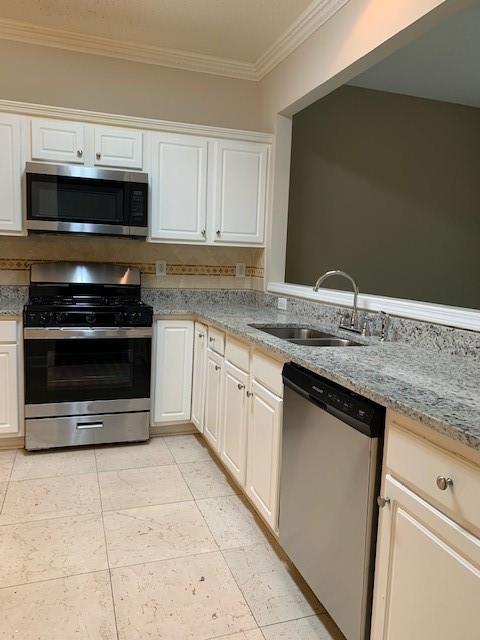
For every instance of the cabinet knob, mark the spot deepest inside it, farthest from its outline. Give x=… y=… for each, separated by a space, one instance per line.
x=382 y=502
x=201 y=335
x=211 y=339
x=204 y=233
x=218 y=232
x=98 y=155
x=240 y=386
x=249 y=394
x=79 y=153
x=443 y=483
x=217 y=367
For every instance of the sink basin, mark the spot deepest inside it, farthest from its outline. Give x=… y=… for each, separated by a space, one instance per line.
x=327 y=342
x=307 y=337
x=293 y=333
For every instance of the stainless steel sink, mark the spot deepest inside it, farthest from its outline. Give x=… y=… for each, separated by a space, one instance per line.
x=307 y=337
x=327 y=342
x=292 y=333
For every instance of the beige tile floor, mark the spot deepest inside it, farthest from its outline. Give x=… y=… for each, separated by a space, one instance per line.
x=139 y=542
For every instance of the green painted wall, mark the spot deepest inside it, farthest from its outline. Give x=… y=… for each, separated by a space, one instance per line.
x=387 y=188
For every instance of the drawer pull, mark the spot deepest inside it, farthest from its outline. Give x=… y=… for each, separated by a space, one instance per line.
x=382 y=502
x=89 y=425
x=240 y=386
x=443 y=483
x=249 y=394
x=217 y=367
x=211 y=339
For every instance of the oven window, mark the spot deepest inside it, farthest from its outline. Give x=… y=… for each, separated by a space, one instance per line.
x=77 y=370
x=75 y=200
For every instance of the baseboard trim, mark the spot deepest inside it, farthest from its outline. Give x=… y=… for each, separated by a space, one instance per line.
x=173 y=429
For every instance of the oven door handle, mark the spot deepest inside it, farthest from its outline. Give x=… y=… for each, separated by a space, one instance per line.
x=47 y=333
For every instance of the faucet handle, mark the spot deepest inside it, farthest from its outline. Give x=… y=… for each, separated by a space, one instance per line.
x=385 y=318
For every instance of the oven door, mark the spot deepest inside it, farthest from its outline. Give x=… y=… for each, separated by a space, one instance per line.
x=83 y=371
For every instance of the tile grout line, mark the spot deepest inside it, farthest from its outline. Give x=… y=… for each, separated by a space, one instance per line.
x=8 y=481
x=106 y=546
x=66 y=577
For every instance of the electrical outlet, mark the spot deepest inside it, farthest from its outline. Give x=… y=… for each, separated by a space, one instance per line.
x=240 y=270
x=282 y=304
x=161 y=268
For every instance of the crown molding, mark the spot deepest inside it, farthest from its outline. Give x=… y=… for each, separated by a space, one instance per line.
x=316 y=14
x=133 y=51
x=137 y=122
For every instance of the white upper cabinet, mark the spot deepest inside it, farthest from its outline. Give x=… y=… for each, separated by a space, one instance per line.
x=172 y=387
x=118 y=148
x=11 y=168
x=179 y=188
x=58 y=141
x=239 y=192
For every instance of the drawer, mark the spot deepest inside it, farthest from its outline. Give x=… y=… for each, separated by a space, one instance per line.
x=8 y=331
x=418 y=464
x=238 y=354
x=216 y=340
x=268 y=372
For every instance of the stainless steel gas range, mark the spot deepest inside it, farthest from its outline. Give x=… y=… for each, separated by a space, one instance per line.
x=87 y=339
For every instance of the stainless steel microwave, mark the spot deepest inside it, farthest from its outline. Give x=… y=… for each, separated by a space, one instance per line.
x=71 y=199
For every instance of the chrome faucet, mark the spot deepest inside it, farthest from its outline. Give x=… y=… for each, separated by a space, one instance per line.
x=353 y=319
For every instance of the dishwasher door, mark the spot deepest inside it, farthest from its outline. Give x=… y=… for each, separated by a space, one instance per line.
x=328 y=512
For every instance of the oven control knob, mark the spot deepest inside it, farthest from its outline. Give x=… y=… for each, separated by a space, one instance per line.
x=60 y=318
x=44 y=317
x=90 y=318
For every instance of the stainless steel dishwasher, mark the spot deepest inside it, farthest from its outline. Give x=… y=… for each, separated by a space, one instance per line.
x=331 y=457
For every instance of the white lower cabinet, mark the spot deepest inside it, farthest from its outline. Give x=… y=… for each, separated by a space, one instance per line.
x=172 y=388
x=234 y=421
x=263 y=458
x=199 y=371
x=10 y=370
x=427 y=584
x=213 y=398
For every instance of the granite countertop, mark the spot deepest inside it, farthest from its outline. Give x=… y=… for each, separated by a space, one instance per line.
x=12 y=299
x=441 y=391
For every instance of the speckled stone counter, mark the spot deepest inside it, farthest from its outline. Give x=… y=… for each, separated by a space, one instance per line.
x=12 y=299
x=440 y=390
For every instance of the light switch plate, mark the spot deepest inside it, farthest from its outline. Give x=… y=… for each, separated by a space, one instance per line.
x=282 y=304
x=240 y=270
x=161 y=268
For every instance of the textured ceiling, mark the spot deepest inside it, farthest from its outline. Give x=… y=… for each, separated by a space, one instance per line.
x=237 y=29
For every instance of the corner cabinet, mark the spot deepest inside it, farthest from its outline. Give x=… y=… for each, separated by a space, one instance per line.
x=239 y=187
x=172 y=379
x=12 y=160
x=178 y=188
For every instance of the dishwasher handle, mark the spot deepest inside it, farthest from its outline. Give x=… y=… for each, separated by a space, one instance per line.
x=358 y=412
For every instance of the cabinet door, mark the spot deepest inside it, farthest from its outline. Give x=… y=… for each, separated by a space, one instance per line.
x=198 y=382
x=239 y=192
x=213 y=398
x=172 y=381
x=234 y=420
x=58 y=141
x=263 y=459
x=11 y=167
x=427 y=583
x=9 y=390
x=179 y=188
x=118 y=148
